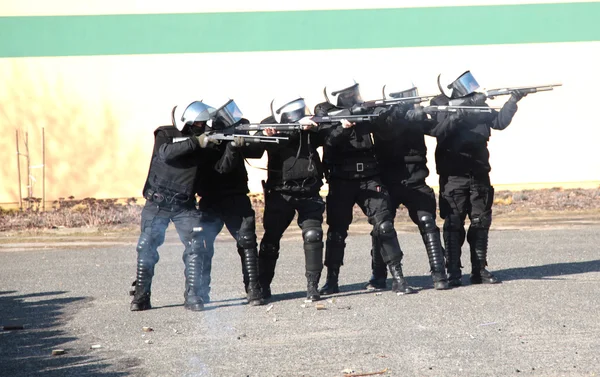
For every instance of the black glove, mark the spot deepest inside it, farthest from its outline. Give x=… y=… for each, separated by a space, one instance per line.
x=517 y=94
x=358 y=109
x=478 y=99
x=238 y=141
x=416 y=114
x=459 y=115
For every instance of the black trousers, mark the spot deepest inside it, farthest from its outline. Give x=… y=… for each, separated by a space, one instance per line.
x=280 y=209
x=234 y=212
x=462 y=196
x=373 y=199
x=417 y=197
x=154 y=223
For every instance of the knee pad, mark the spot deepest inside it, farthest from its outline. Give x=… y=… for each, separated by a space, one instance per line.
x=247 y=240
x=386 y=229
x=312 y=235
x=483 y=221
x=453 y=223
x=336 y=237
x=147 y=253
x=427 y=223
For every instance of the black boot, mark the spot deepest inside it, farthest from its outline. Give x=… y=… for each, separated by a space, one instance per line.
x=254 y=294
x=197 y=274
x=378 y=269
x=453 y=253
x=433 y=245
x=331 y=283
x=141 y=292
x=399 y=284
x=267 y=260
x=312 y=284
x=478 y=241
x=246 y=279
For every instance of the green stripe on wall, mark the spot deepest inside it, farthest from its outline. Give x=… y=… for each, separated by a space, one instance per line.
x=298 y=30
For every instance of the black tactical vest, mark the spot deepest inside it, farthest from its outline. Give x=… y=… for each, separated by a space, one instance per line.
x=173 y=181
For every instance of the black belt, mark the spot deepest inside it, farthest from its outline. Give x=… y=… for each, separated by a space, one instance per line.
x=356 y=167
x=164 y=199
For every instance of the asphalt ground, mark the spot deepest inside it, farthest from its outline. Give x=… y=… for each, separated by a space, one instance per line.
x=541 y=321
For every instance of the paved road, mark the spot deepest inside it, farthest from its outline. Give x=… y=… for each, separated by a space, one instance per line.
x=542 y=321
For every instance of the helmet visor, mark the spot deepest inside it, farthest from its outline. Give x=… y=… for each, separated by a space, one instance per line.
x=293 y=111
x=228 y=115
x=196 y=112
x=413 y=92
x=348 y=97
x=464 y=85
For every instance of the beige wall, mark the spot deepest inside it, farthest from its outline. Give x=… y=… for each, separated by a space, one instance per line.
x=99 y=112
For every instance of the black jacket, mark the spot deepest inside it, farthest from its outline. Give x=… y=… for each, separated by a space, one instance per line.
x=462 y=143
x=348 y=153
x=173 y=167
x=222 y=171
x=293 y=165
x=400 y=146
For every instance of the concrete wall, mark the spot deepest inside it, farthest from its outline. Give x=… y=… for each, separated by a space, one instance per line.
x=100 y=77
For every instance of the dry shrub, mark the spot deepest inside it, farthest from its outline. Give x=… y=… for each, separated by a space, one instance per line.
x=71 y=213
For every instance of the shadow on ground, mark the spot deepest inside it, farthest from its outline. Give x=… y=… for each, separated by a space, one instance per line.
x=28 y=351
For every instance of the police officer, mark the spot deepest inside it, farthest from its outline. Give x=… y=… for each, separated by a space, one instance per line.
x=295 y=176
x=169 y=193
x=402 y=156
x=224 y=201
x=354 y=177
x=462 y=162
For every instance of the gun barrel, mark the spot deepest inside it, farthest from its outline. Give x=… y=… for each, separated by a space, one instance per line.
x=526 y=89
x=453 y=109
x=249 y=138
x=394 y=101
x=262 y=126
x=337 y=118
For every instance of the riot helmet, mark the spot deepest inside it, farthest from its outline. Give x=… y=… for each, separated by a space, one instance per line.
x=289 y=109
x=461 y=86
x=188 y=113
x=227 y=115
x=403 y=89
x=344 y=94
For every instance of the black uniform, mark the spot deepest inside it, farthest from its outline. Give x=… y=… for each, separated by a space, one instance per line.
x=354 y=177
x=169 y=193
x=462 y=161
x=402 y=156
x=295 y=176
x=223 y=191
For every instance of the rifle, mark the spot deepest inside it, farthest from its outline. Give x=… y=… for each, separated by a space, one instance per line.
x=298 y=126
x=523 y=89
x=395 y=101
x=217 y=138
x=454 y=109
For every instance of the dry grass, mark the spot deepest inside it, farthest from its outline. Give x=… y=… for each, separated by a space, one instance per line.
x=70 y=213
x=90 y=212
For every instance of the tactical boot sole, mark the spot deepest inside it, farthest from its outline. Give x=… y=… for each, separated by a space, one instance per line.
x=480 y=280
x=441 y=285
x=138 y=307
x=195 y=307
x=404 y=290
x=455 y=282
x=312 y=298
x=376 y=285
x=329 y=290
